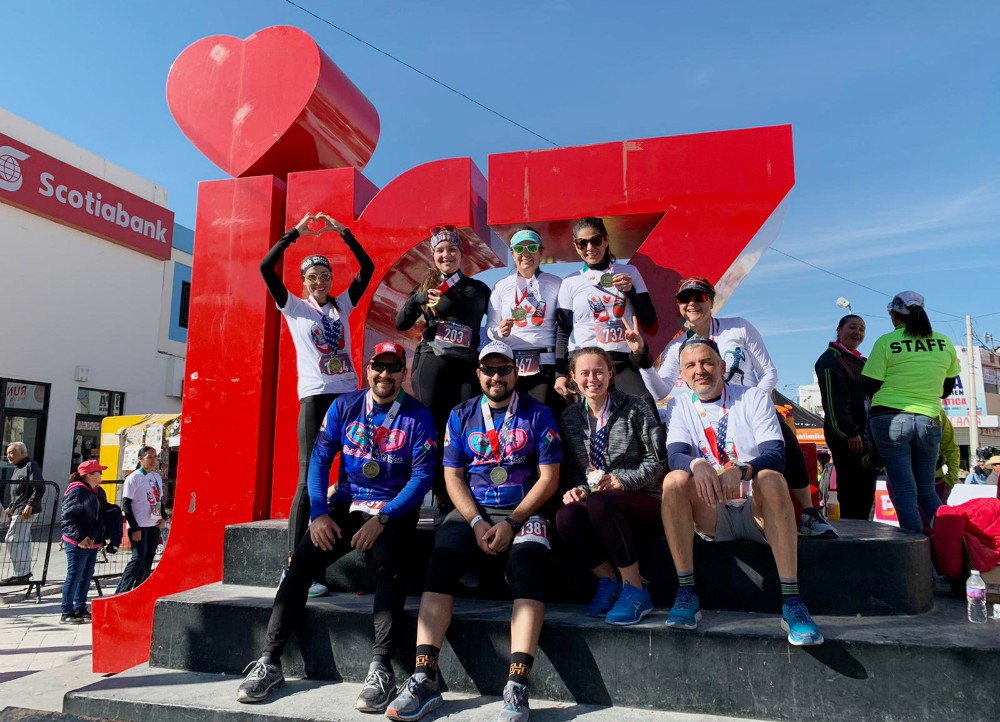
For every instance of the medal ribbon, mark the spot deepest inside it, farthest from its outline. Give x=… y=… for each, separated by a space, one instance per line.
x=498 y=442
x=716 y=439
x=449 y=282
x=371 y=434
x=598 y=446
x=333 y=329
x=713 y=330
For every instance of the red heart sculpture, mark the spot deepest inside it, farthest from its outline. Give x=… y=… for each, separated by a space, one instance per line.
x=270 y=105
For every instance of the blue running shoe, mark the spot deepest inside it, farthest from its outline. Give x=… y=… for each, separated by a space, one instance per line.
x=417 y=698
x=795 y=619
x=607 y=594
x=632 y=605
x=685 y=612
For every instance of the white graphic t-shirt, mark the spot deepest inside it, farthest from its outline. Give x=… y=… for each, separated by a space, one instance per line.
x=597 y=310
x=322 y=338
x=145 y=491
x=535 y=324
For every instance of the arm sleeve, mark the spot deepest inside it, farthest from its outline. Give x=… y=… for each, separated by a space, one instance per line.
x=771 y=456
x=650 y=436
x=268 y=271
x=422 y=468
x=760 y=359
x=767 y=432
x=836 y=396
x=571 y=460
x=411 y=310
x=643 y=305
x=324 y=450
x=133 y=525
x=950 y=450
x=37 y=490
x=564 y=327
x=680 y=456
x=360 y=283
x=949 y=386
x=670 y=368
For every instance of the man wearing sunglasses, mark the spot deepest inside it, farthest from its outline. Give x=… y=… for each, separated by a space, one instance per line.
x=501 y=461
x=388 y=454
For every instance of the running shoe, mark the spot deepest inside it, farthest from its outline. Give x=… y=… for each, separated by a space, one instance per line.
x=263 y=677
x=685 y=612
x=632 y=605
x=419 y=696
x=515 y=704
x=380 y=687
x=73 y=618
x=813 y=525
x=795 y=619
x=607 y=594
x=317 y=589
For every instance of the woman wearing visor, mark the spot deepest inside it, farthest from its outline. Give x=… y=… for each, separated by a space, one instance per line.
x=322 y=338
x=593 y=306
x=522 y=314
x=747 y=364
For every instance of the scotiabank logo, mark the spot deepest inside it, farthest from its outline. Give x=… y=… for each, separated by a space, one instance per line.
x=72 y=197
x=11 y=175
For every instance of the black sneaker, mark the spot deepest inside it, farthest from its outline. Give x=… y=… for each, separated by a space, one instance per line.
x=419 y=696
x=263 y=677
x=73 y=618
x=16 y=580
x=84 y=614
x=379 y=689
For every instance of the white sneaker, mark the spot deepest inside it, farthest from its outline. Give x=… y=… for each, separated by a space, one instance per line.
x=316 y=589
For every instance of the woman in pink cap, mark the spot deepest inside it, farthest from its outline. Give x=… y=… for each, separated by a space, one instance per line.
x=82 y=532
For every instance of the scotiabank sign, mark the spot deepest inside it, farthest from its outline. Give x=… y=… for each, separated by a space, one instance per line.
x=39 y=183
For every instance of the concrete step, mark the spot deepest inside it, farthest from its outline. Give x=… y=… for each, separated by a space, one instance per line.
x=144 y=694
x=871 y=569
x=927 y=667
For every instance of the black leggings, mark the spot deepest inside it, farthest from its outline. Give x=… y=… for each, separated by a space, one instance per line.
x=312 y=410
x=309 y=561
x=441 y=383
x=456 y=552
x=855 y=481
x=796 y=473
x=629 y=380
x=541 y=387
x=605 y=527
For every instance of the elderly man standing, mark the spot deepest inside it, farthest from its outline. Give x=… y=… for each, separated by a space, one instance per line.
x=726 y=453
x=26 y=502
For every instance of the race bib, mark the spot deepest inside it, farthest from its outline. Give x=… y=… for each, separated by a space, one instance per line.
x=335 y=364
x=528 y=362
x=453 y=334
x=367 y=507
x=609 y=332
x=535 y=529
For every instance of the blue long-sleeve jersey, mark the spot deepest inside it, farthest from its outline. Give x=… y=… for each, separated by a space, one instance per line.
x=407 y=456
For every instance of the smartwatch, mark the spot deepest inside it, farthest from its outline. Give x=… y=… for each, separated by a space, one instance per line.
x=746 y=473
x=383 y=519
x=515 y=525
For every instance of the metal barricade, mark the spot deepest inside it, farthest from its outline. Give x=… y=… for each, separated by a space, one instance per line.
x=26 y=542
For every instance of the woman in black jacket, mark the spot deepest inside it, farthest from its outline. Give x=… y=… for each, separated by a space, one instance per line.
x=82 y=532
x=845 y=407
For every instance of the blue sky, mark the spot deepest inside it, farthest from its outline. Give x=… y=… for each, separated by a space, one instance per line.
x=894 y=107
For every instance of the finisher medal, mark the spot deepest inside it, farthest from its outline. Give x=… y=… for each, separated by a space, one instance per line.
x=370 y=469
x=335 y=366
x=607 y=280
x=519 y=314
x=498 y=475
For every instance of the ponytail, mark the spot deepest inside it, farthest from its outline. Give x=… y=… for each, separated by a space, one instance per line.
x=916 y=323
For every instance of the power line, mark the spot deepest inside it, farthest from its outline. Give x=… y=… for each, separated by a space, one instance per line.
x=422 y=73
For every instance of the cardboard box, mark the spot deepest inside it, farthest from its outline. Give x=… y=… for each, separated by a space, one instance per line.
x=992 y=579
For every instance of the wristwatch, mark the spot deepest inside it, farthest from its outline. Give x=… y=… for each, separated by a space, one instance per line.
x=383 y=519
x=515 y=525
x=746 y=473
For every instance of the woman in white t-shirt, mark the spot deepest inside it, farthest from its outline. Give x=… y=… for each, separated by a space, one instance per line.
x=593 y=304
x=522 y=314
x=322 y=338
x=747 y=364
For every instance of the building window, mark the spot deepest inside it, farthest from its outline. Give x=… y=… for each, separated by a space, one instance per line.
x=182 y=320
x=24 y=409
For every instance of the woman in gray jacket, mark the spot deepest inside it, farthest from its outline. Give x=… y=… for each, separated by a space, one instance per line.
x=615 y=454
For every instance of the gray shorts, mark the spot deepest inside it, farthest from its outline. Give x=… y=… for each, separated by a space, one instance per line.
x=736 y=522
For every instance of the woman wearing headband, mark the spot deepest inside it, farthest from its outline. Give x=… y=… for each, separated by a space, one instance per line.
x=747 y=364
x=593 y=304
x=908 y=373
x=322 y=339
x=452 y=306
x=522 y=314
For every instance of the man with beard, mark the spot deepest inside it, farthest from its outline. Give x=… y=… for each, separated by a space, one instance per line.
x=388 y=454
x=501 y=458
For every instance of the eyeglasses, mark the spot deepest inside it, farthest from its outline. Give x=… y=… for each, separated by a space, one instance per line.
x=315 y=278
x=496 y=370
x=696 y=296
x=526 y=248
x=380 y=366
x=594 y=241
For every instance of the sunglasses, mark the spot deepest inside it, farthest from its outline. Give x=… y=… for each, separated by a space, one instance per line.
x=314 y=278
x=696 y=296
x=594 y=241
x=496 y=370
x=526 y=248
x=380 y=366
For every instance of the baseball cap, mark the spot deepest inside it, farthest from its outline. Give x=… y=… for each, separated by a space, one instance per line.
x=695 y=340
x=903 y=300
x=497 y=347
x=391 y=348
x=310 y=261
x=89 y=467
x=695 y=284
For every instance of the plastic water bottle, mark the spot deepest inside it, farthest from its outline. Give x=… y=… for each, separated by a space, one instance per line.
x=975 y=594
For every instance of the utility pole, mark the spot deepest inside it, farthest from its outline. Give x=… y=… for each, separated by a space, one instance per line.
x=971 y=391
